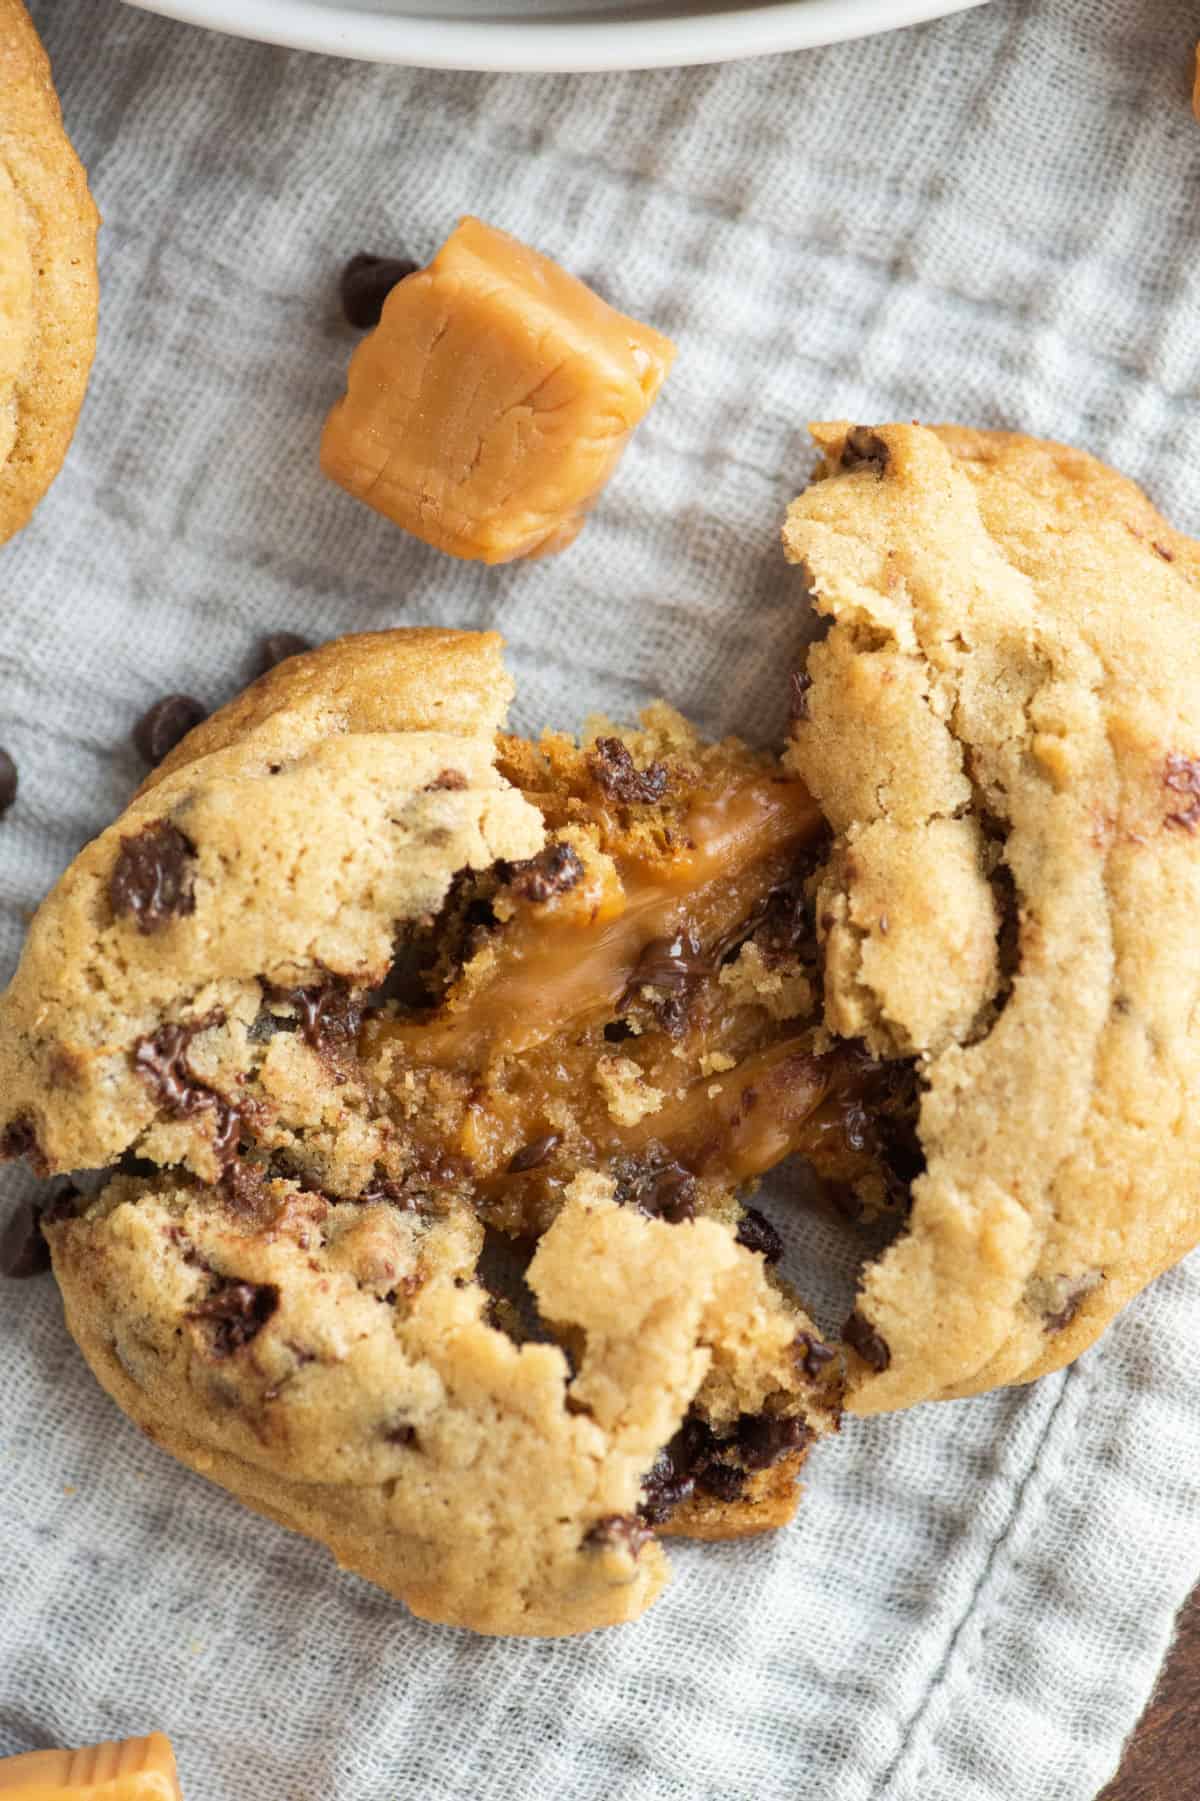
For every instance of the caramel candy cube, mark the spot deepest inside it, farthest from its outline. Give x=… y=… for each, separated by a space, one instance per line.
x=136 y=1769
x=492 y=401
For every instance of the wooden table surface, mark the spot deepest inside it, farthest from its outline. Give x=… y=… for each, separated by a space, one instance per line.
x=1162 y=1761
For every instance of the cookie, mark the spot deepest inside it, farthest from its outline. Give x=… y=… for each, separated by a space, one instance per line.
x=428 y=1068
x=1002 y=728
x=48 y=290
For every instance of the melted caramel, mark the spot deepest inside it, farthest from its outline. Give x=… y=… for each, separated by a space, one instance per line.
x=557 y=973
x=507 y=1073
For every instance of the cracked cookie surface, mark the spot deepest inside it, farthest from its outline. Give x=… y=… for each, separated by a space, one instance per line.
x=1002 y=727
x=48 y=290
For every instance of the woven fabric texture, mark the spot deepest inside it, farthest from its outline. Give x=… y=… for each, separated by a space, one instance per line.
x=990 y=219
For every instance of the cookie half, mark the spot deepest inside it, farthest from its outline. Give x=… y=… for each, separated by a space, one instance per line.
x=48 y=287
x=429 y=1070
x=1002 y=728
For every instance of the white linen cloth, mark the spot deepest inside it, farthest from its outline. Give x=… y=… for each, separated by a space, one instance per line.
x=991 y=219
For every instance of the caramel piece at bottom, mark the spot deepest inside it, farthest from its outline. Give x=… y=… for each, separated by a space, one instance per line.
x=490 y=405
x=135 y=1769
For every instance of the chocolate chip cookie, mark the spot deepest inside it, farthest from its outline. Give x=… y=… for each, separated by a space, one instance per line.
x=47 y=274
x=1002 y=728
x=426 y=1067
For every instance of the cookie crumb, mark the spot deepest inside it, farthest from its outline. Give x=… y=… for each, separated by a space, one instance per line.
x=627 y=1094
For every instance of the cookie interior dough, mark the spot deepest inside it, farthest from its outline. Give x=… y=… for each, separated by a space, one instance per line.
x=48 y=287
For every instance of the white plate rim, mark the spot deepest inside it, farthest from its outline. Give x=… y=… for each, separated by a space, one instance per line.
x=560 y=46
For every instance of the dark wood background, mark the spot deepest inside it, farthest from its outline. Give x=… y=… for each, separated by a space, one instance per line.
x=1162 y=1759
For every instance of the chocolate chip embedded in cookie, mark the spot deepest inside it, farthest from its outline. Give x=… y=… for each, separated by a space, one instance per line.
x=47 y=274
x=1002 y=726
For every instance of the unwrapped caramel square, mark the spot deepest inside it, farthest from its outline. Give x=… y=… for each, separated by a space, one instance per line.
x=135 y=1769
x=490 y=405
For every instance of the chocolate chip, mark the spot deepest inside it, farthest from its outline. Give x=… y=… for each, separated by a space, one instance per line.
x=365 y=284
x=19 y=1139
x=532 y=1156
x=756 y=1233
x=672 y=964
x=812 y=1355
x=161 y=1060
x=723 y=1481
x=799 y=686
x=865 y=449
x=620 y=778
x=658 y=1187
x=671 y=1478
x=620 y=1532
x=151 y=880
x=1182 y=776
x=277 y=647
x=235 y=1313
x=453 y=780
x=330 y=1013
x=244 y=1186
x=765 y=1438
x=555 y=870
x=1072 y=1302
x=23 y=1250
x=164 y=725
x=8 y=782
x=870 y=1345
x=401 y=1435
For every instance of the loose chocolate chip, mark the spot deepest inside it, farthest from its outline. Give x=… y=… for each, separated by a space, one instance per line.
x=366 y=283
x=8 y=782
x=164 y=725
x=555 y=870
x=871 y=1347
x=532 y=1156
x=765 y=1438
x=798 y=694
x=865 y=449
x=151 y=880
x=619 y=776
x=724 y=1481
x=235 y=1313
x=812 y=1355
x=660 y=1188
x=23 y=1250
x=619 y=1531
x=453 y=780
x=277 y=647
x=756 y=1233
